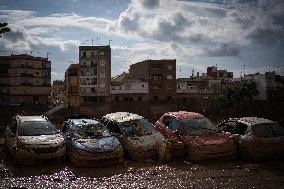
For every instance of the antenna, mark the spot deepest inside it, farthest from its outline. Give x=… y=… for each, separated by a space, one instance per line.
x=98 y=41
x=109 y=42
x=92 y=42
x=48 y=53
x=244 y=70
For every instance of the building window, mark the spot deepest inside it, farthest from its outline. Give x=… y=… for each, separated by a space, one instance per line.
x=156 y=98
x=169 y=88
x=102 y=53
x=139 y=98
x=156 y=87
x=169 y=67
x=142 y=85
x=37 y=73
x=92 y=54
x=116 y=98
x=157 y=77
x=156 y=66
x=84 y=54
x=102 y=63
x=169 y=97
x=169 y=77
x=125 y=98
x=183 y=99
x=93 y=64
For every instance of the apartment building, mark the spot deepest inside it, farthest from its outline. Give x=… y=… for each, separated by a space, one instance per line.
x=58 y=92
x=161 y=78
x=72 y=86
x=94 y=74
x=214 y=73
x=24 y=79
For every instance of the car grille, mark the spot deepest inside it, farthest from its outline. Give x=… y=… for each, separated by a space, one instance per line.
x=45 y=150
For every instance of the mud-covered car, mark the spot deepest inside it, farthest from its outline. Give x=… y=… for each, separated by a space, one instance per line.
x=138 y=136
x=199 y=135
x=30 y=139
x=89 y=143
x=257 y=139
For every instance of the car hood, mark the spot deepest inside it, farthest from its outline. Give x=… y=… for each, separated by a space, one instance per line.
x=50 y=140
x=144 y=142
x=97 y=144
x=210 y=139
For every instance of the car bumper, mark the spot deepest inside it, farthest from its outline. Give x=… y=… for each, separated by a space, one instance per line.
x=23 y=156
x=199 y=154
x=94 y=160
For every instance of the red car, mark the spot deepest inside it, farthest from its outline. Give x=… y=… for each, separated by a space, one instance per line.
x=199 y=135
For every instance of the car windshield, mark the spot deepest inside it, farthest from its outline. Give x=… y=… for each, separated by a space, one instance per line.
x=37 y=128
x=199 y=126
x=91 y=131
x=137 y=127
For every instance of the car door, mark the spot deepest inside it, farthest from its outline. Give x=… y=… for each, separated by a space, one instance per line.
x=11 y=135
x=259 y=144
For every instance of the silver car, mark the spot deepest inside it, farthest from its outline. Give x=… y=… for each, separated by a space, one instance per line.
x=138 y=136
x=33 y=138
x=257 y=139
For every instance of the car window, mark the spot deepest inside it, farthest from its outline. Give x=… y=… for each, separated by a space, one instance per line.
x=36 y=128
x=174 y=124
x=234 y=127
x=199 y=126
x=262 y=130
x=171 y=122
x=277 y=129
x=113 y=127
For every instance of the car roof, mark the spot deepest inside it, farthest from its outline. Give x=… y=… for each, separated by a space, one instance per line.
x=122 y=116
x=32 y=118
x=83 y=121
x=185 y=115
x=249 y=121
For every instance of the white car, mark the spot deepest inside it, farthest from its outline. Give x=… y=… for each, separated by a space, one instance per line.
x=257 y=139
x=138 y=136
x=30 y=139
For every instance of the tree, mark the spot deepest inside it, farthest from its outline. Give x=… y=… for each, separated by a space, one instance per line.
x=4 y=28
x=235 y=100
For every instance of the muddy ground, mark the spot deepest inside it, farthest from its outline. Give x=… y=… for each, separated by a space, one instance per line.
x=148 y=174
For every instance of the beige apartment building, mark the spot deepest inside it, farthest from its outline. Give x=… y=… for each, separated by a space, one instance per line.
x=94 y=74
x=24 y=79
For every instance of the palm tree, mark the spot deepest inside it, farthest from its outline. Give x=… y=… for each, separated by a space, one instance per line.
x=4 y=28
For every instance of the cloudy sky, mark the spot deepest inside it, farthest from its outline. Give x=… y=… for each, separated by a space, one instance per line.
x=198 y=33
